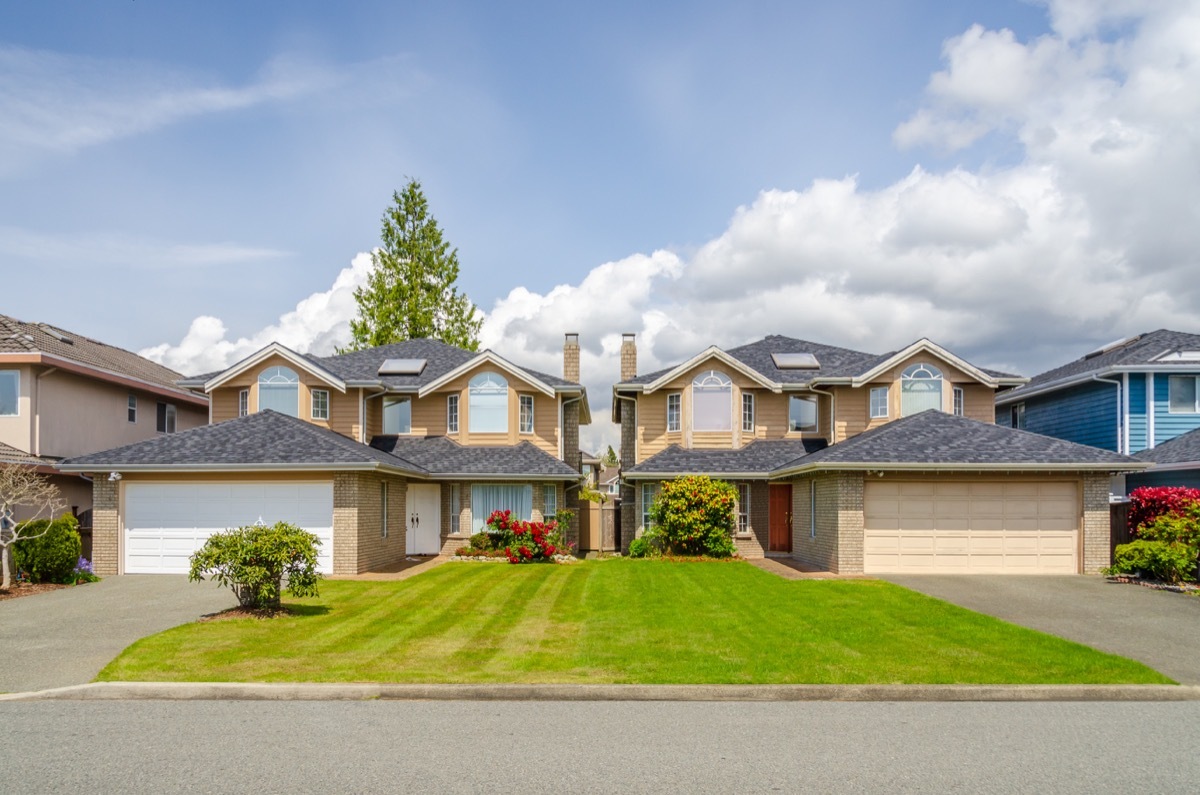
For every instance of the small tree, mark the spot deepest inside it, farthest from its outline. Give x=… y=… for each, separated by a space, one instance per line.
x=410 y=292
x=21 y=486
x=610 y=459
x=694 y=515
x=253 y=561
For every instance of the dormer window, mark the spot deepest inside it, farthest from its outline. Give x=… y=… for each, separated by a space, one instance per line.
x=712 y=402
x=487 y=404
x=920 y=389
x=279 y=390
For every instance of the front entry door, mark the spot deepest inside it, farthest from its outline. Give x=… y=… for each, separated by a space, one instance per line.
x=424 y=505
x=779 y=518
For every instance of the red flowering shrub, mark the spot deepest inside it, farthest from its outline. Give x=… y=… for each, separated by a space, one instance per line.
x=1148 y=503
x=526 y=542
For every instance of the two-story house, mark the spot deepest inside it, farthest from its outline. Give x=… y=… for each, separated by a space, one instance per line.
x=398 y=450
x=860 y=462
x=63 y=394
x=1129 y=396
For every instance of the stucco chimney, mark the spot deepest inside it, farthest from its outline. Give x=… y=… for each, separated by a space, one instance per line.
x=628 y=356
x=571 y=358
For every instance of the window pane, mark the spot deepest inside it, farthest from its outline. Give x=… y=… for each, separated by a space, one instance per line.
x=131 y=408
x=320 y=404
x=649 y=492
x=919 y=395
x=743 y=519
x=802 y=414
x=959 y=401
x=879 y=402
x=487 y=409
x=673 y=412
x=10 y=388
x=279 y=390
x=452 y=413
x=487 y=499
x=397 y=415
x=748 y=413
x=243 y=402
x=1182 y=393
x=550 y=502
x=526 y=413
x=711 y=410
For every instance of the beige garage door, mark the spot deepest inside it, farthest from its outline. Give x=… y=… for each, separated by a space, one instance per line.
x=977 y=527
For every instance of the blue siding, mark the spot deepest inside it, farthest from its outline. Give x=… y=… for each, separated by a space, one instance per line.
x=1137 y=412
x=1167 y=425
x=1178 y=477
x=1086 y=414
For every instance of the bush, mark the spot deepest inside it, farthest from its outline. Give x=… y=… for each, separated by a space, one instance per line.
x=695 y=516
x=639 y=548
x=52 y=555
x=526 y=542
x=253 y=561
x=1157 y=560
x=1148 y=503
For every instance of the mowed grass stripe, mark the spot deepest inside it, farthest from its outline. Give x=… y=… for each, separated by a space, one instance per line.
x=619 y=621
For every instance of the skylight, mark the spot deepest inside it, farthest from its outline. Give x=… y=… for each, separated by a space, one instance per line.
x=1112 y=346
x=58 y=335
x=795 y=361
x=402 y=367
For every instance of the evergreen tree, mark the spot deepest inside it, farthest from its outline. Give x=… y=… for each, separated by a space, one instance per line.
x=610 y=459
x=410 y=292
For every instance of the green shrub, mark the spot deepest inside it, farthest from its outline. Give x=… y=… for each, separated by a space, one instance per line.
x=695 y=516
x=253 y=562
x=52 y=555
x=1169 y=561
x=639 y=548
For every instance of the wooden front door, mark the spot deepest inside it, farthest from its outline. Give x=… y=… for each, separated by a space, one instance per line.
x=779 y=518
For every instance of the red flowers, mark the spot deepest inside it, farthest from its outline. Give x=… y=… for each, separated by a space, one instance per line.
x=532 y=541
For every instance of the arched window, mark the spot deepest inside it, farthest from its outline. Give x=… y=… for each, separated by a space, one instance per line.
x=920 y=389
x=712 y=402
x=487 y=404
x=279 y=389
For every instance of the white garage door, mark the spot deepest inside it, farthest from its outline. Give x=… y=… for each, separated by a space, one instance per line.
x=166 y=522
x=979 y=527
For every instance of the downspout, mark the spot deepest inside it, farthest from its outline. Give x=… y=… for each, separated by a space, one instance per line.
x=832 y=427
x=37 y=415
x=380 y=393
x=362 y=415
x=1150 y=410
x=1125 y=407
x=1120 y=391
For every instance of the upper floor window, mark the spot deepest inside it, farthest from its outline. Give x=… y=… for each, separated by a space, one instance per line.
x=1018 y=415
x=802 y=413
x=712 y=402
x=879 y=402
x=10 y=392
x=243 y=402
x=320 y=404
x=920 y=389
x=487 y=404
x=397 y=415
x=279 y=390
x=131 y=408
x=748 y=412
x=1183 y=397
x=526 y=404
x=166 y=418
x=674 y=412
x=960 y=401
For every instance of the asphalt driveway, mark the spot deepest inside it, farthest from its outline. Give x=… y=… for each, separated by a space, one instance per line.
x=65 y=637
x=1158 y=628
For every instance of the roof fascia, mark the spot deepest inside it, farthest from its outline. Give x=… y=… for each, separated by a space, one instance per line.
x=928 y=346
x=711 y=352
x=284 y=352
x=672 y=475
x=999 y=467
x=79 y=368
x=1079 y=378
x=208 y=468
x=488 y=357
x=1175 y=466
x=496 y=476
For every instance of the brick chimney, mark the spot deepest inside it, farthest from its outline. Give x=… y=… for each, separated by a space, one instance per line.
x=628 y=356
x=571 y=358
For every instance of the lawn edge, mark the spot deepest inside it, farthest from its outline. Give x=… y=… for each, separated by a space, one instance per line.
x=237 y=691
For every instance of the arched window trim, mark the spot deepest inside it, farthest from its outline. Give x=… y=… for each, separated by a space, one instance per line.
x=712 y=380
x=487 y=403
x=712 y=402
x=918 y=384
x=279 y=389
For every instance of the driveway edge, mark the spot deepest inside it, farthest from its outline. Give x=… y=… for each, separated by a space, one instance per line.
x=234 y=691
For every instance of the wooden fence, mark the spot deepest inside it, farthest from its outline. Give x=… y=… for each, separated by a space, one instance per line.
x=1118 y=519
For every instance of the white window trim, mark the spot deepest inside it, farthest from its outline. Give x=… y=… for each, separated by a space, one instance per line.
x=17 y=381
x=652 y=490
x=455 y=509
x=452 y=414
x=313 y=402
x=677 y=399
x=522 y=401
x=547 y=490
x=282 y=378
x=713 y=382
x=487 y=383
x=910 y=376
x=394 y=399
x=875 y=390
x=1196 y=394
x=743 y=509
x=816 y=419
x=170 y=418
x=243 y=403
x=131 y=405
x=748 y=402
x=1018 y=409
x=959 y=401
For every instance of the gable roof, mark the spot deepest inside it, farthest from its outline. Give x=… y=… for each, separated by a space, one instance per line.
x=266 y=441
x=1183 y=449
x=443 y=457
x=756 y=460
x=1141 y=353
x=936 y=440
x=58 y=347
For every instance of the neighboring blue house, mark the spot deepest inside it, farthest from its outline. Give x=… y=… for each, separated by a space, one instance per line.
x=1129 y=396
x=1176 y=463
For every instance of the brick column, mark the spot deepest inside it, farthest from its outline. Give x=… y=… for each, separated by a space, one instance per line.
x=106 y=525
x=1097 y=523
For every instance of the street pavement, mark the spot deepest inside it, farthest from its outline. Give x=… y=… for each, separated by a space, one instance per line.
x=1158 y=628
x=559 y=747
x=66 y=636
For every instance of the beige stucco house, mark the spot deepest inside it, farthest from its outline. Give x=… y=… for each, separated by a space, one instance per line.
x=864 y=463
x=398 y=450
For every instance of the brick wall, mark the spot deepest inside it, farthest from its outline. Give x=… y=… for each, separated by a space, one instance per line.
x=629 y=507
x=850 y=523
x=106 y=526
x=838 y=542
x=1096 y=523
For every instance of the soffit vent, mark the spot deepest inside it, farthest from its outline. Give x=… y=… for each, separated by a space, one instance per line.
x=402 y=367
x=795 y=361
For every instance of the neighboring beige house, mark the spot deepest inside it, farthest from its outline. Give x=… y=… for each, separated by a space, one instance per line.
x=859 y=462
x=403 y=449
x=63 y=394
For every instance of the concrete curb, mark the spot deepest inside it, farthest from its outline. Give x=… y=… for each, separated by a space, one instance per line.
x=234 y=691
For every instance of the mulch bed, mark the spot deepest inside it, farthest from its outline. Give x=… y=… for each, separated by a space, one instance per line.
x=28 y=589
x=247 y=612
x=1186 y=587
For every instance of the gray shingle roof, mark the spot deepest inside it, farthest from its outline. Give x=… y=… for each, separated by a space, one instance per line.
x=11 y=455
x=267 y=438
x=1142 y=350
x=758 y=457
x=1183 y=449
x=936 y=438
x=18 y=336
x=439 y=455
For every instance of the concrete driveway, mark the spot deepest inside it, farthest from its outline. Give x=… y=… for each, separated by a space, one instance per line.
x=65 y=637
x=1158 y=628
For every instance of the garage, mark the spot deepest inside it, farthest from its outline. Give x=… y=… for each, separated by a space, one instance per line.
x=971 y=526
x=166 y=522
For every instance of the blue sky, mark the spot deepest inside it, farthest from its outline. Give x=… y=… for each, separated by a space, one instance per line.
x=998 y=176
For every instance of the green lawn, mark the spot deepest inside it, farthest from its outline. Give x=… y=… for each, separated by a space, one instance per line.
x=619 y=621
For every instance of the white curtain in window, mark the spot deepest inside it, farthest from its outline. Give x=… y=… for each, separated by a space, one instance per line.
x=487 y=404
x=279 y=390
x=487 y=499
x=920 y=389
x=712 y=402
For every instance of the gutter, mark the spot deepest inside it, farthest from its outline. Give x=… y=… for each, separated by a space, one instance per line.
x=1132 y=466
x=259 y=467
